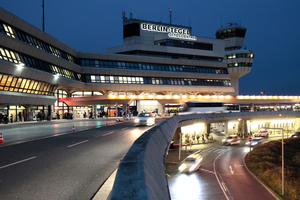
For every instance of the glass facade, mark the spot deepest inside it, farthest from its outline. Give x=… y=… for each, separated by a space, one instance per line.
x=185 y=44
x=151 y=66
x=15 y=84
x=25 y=37
x=15 y=57
x=155 y=81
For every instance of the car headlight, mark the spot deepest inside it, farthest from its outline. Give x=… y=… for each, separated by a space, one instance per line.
x=223 y=140
x=182 y=167
x=254 y=143
x=149 y=120
x=136 y=120
x=247 y=143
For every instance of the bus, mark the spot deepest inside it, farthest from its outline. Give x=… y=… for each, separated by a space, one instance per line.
x=207 y=107
x=296 y=107
x=232 y=107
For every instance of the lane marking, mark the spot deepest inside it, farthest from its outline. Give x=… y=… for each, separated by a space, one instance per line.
x=72 y=145
x=207 y=171
x=124 y=128
x=108 y=133
x=222 y=184
x=18 y=162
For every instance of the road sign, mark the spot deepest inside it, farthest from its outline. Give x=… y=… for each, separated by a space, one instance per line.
x=250 y=139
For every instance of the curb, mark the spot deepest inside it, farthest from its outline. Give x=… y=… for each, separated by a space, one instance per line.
x=105 y=190
x=263 y=184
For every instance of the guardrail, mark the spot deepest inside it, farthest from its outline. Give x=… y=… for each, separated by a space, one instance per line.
x=142 y=172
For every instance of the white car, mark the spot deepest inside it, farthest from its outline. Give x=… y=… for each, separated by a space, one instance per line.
x=191 y=163
x=256 y=141
x=145 y=118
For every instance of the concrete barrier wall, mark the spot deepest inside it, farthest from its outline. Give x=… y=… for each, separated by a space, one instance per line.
x=142 y=172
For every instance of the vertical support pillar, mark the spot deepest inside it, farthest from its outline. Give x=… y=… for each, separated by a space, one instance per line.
x=226 y=128
x=162 y=110
x=124 y=110
x=252 y=107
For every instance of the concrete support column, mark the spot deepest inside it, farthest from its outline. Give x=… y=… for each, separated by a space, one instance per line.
x=94 y=111
x=124 y=110
x=252 y=107
x=27 y=113
x=276 y=107
x=226 y=128
x=162 y=110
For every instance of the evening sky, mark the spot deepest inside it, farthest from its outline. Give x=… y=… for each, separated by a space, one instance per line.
x=272 y=28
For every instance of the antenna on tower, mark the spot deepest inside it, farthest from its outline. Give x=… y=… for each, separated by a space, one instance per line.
x=130 y=14
x=170 y=16
x=43 y=6
x=123 y=15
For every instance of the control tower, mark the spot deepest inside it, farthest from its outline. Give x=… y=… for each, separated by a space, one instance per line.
x=239 y=60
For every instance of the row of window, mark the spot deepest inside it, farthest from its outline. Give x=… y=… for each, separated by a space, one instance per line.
x=185 y=44
x=230 y=33
x=14 y=84
x=20 y=35
x=147 y=66
x=11 y=56
x=240 y=55
x=239 y=65
x=155 y=81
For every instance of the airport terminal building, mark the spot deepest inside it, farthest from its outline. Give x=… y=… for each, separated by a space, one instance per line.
x=38 y=73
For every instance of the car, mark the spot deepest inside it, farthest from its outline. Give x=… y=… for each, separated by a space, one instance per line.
x=297 y=134
x=230 y=140
x=145 y=118
x=191 y=163
x=256 y=141
x=262 y=133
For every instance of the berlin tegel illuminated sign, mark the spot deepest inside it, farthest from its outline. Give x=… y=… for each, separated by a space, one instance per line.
x=173 y=32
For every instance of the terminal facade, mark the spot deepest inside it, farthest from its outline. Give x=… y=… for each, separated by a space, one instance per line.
x=36 y=70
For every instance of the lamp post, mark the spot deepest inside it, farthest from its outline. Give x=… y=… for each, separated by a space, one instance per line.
x=282 y=143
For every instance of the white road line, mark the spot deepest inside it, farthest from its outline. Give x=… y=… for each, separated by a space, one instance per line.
x=77 y=143
x=124 y=128
x=107 y=133
x=207 y=171
x=17 y=162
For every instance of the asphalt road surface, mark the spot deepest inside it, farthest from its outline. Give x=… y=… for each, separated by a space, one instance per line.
x=221 y=176
x=48 y=160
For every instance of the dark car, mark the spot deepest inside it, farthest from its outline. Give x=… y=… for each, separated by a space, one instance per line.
x=297 y=134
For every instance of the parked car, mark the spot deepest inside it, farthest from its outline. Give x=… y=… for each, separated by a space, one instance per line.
x=230 y=140
x=297 y=134
x=262 y=133
x=256 y=141
x=145 y=118
x=191 y=163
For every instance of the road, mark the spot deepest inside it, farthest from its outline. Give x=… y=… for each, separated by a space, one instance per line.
x=221 y=176
x=48 y=160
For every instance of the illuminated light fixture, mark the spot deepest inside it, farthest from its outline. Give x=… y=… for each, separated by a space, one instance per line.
x=258 y=97
x=228 y=97
x=141 y=96
x=207 y=97
x=221 y=96
x=56 y=75
x=122 y=96
x=176 y=97
x=264 y=97
x=168 y=97
x=280 y=97
x=214 y=96
x=240 y=97
x=112 y=96
x=160 y=96
x=253 y=97
x=20 y=65
x=239 y=119
x=132 y=96
x=192 y=96
x=150 y=96
x=184 y=97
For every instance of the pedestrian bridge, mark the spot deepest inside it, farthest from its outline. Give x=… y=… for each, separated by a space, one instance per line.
x=142 y=174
